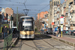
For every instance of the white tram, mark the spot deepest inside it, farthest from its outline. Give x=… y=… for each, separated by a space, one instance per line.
x=26 y=27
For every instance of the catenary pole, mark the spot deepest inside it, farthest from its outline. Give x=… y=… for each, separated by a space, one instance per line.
x=17 y=19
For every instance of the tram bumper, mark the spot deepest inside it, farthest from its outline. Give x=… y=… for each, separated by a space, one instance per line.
x=26 y=36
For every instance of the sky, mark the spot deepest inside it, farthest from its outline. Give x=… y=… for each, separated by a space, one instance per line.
x=34 y=6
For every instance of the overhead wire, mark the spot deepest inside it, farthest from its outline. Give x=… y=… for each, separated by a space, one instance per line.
x=41 y=9
x=27 y=5
x=24 y=3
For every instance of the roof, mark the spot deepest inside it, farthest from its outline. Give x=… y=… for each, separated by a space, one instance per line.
x=24 y=16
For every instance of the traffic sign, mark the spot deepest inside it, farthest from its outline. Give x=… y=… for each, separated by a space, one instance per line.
x=61 y=20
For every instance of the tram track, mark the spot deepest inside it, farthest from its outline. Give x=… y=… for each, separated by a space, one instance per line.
x=43 y=36
x=22 y=42
x=36 y=47
x=38 y=39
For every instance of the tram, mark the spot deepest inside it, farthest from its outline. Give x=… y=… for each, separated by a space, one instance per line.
x=26 y=27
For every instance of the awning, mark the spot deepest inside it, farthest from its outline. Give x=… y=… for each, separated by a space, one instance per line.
x=52 y=23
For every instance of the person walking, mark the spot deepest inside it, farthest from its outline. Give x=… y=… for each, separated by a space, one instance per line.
x=14 y=32
x=59 y=32
x=9 y=30
x=4 y=31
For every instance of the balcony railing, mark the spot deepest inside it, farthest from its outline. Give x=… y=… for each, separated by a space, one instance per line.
x=72 y=22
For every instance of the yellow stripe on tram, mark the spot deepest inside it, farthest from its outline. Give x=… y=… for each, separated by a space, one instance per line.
x=26 y=32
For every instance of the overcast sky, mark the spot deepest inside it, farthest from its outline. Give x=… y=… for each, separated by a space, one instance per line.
x=33 y=5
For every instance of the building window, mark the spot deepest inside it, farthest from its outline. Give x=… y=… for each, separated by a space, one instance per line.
x=73 y=11
x=57 y=2
x=46 y=15
x=74 y=2
x=40 y=17
x=54 y=16
x=73 y=24
x=71 y=16
x=66 y=19
x=58 y=22
x=6 y=15
x=70 y=24
x=54 y=3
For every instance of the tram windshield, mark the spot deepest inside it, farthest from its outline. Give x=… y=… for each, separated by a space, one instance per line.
x=26 y=25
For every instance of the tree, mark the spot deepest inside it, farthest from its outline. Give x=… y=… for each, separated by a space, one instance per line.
x=38 y=24
x=19 y=15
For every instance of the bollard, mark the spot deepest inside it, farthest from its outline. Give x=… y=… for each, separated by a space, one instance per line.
x=61 y=34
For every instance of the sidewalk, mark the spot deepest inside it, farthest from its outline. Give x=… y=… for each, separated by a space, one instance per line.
x=2 y=42
x=67 y=40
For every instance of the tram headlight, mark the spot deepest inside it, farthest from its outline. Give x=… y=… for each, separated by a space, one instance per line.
x=21 y=35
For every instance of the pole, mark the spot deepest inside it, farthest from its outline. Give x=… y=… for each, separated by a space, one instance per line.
x=17 y=19
x=11 y=26
x=11 y=21
x=61 y=34
x=61 y=30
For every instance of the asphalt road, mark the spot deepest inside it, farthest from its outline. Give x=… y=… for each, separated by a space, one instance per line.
x=42 y=42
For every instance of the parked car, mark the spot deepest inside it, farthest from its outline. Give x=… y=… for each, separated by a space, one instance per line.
x=64 y=31
x=73 y=32
x=49 y=31
x=67 y=32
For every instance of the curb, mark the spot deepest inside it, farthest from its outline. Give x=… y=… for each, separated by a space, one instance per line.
x=13 y=43
x=64 y=41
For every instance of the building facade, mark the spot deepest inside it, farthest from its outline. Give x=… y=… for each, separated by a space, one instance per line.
x=53 y=9
x=71 y=15
x=41 y=15
x=6 y=15
x=43 y=18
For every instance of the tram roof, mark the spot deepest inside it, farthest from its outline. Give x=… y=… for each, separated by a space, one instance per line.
x=24 y=16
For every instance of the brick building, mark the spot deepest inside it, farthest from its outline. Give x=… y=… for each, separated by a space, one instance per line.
x=41 y=15
x=7 y=13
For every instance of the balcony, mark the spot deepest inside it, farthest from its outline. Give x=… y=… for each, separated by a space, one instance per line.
x=58 y=18
x=73 y=11
x=70 y=3
x=66 y=22
x=57 y=12
x=72 y=22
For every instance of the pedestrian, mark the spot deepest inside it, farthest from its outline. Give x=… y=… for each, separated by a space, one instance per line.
x=9 y=30
x=59 y=32
x=14 y=32
x=54 y=31
x=4 y=31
